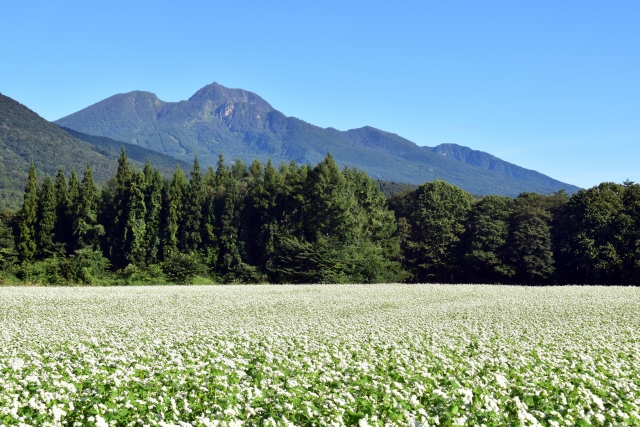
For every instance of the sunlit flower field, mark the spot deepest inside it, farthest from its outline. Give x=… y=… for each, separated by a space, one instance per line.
x=420 y=355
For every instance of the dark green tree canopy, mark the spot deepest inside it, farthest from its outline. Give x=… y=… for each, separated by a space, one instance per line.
x=302 y=224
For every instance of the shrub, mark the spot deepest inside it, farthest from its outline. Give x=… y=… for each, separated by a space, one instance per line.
x=181 y=268
x=87 y=266
x=46 y=272
x=135 y=275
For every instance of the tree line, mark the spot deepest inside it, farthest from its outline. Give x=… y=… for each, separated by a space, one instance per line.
x=303 y=224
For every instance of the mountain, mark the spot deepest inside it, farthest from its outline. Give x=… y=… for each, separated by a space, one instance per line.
x=492 y=163
x=25 y=136
x=138 y=155
x=240 y=124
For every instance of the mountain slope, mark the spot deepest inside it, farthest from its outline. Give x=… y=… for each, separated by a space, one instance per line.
x=136 y=154
x=488 y=161
x=25 y=136
x=240 y=124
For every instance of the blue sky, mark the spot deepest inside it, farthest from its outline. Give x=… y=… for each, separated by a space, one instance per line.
x=549 y=85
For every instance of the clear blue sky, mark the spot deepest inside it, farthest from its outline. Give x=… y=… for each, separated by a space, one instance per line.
x=549 y=85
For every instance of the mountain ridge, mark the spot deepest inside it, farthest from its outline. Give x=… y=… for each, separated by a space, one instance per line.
x=241 y=124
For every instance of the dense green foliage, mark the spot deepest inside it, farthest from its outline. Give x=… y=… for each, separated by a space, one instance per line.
x=303 y=224
x=231 y=224
x=590 y=237
x=392 y=188
x=243 y=125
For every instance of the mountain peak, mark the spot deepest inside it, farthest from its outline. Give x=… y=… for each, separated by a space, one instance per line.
x=219 y=95
x=242 y=125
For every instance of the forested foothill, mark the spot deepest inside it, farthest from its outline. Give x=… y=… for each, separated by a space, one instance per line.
x=301 y=224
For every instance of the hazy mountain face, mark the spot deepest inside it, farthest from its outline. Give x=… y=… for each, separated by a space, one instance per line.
x=240 y=124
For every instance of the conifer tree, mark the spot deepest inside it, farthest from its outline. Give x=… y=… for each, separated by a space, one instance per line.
x=374 y=254
x=375 y=220
x=46 y=223
x=174 y=196
x=229 y=197
x=135 y=230
x=209 y=227
x=28 y=218
x=63 y=225
x=230 y=208
x=74 y=188
x=192 y=220
x=292 y=198
x=221 y=171
x=239 y=170
x=8 y=253
x=86 y=229
x=154 y=185
x=330 y=204
x=72 y=212
x=117 y=213
x=262 y=221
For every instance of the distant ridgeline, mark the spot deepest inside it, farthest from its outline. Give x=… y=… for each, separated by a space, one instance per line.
x=242 y=125
x=302 y=224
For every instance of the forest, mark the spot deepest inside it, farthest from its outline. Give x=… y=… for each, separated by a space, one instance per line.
x=301 y=224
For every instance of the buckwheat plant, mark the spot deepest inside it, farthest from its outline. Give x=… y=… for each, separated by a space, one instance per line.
x=383 y=355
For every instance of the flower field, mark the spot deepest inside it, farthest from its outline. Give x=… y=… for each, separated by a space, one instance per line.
x=420 y=355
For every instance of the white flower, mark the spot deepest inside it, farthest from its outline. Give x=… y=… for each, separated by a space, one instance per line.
x=100 y=422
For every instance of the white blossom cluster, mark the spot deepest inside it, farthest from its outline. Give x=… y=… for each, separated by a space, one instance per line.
x=381 y=355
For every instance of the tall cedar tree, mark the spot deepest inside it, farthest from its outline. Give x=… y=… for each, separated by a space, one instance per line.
x=86 y=228
x=153 y=187
x=190 y=239
x=174 y=209
x=374 y=255
x=46 y=223
x=8 y=253
x=28 y=218
x=63 y=223
x=330 y=204
x=291 y=198
x=262 y=218
x=117 y=212
x=71 y=211
x=135 y=227
x=293 y=259
x=230 y=205
x=209 y=226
